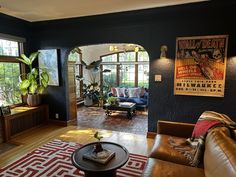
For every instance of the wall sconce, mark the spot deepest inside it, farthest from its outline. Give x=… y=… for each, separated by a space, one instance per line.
x=163 y=51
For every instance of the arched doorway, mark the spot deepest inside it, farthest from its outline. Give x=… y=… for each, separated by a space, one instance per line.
x=106 y=66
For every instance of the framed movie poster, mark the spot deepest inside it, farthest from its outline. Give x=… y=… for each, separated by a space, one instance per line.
x=48 y=59
x=200 y=65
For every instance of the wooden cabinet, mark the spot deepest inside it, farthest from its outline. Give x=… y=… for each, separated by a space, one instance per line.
x=23 y=118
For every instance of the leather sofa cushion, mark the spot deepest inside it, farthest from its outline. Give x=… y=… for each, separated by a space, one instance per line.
x=164 y=151
x=160 y=168
x=220 y=154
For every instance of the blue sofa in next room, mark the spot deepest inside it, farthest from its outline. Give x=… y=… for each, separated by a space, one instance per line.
x=136 y=95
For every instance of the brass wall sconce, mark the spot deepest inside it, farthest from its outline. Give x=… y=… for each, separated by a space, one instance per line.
x=163 y=51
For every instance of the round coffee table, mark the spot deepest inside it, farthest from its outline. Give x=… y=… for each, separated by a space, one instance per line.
x=93 y=169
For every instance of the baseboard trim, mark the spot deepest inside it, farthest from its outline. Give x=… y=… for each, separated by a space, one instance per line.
x=151 y=135
x=61 y=122
x=71 y=122
x=57 y=122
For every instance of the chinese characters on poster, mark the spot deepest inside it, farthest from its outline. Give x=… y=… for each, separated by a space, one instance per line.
x=200 y=65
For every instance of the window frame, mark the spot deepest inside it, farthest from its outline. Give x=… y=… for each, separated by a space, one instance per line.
x=118 y=63
x=12 y=59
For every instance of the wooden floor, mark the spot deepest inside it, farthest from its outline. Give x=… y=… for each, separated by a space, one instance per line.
x=34 y=138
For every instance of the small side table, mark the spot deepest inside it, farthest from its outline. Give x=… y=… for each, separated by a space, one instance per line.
x=93 y=169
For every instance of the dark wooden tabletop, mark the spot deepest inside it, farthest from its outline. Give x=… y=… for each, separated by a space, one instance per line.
x=120 y=158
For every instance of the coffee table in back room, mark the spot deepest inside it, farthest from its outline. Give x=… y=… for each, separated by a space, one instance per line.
x=122 y=106
x=94 y=169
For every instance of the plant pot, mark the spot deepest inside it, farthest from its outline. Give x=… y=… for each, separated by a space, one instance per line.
x=88 y=101
x=33 y=100
x=97 y=148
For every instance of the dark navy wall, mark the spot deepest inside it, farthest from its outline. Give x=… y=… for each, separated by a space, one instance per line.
x=16 y=27
x=151 y=29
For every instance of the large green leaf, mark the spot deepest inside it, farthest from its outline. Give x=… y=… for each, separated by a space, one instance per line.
x=31 y=77
x=35 y=72
x=41 y=89
x=44 y=83
x=24 y=91
x=25 y=58
x=24 y=61
x=24 y=84
x=33 y=87
x=45 y=76
x=33 y=56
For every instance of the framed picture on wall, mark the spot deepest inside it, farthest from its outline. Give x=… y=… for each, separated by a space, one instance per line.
x=48 y=59
x=200 y=65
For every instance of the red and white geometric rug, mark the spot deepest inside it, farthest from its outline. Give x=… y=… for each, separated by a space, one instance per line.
x=54 y=159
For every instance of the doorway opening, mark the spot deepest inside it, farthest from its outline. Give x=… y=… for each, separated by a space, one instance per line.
x=98 y=74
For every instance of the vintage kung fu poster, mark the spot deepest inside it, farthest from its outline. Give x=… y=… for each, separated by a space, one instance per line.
x=200 y=65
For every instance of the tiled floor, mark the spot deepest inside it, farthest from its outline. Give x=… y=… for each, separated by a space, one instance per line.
x=94 y=117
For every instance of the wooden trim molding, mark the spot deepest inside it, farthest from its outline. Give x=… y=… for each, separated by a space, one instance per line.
x=151 y=135
x=61 y=122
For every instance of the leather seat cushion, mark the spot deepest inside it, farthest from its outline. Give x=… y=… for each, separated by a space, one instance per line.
x=164 y=151
x=160 y=168
x=220 y=154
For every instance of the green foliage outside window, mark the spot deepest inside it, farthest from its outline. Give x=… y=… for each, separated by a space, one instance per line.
x=9 y=89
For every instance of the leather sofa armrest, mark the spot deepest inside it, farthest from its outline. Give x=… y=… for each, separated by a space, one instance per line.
x=178 y=129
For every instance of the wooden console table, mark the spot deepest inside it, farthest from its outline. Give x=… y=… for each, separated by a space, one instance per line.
x=23 y=118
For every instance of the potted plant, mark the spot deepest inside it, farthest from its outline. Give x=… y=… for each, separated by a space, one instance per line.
x=34 y=82
x=98 y=146
x=91 y=93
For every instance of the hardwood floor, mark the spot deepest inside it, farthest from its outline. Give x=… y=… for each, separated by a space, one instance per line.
x=34 y=138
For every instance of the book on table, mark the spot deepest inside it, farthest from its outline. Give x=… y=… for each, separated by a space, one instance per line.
x=101 y=157
x=126 y=104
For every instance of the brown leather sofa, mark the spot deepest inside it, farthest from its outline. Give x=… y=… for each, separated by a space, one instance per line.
x=219 y=156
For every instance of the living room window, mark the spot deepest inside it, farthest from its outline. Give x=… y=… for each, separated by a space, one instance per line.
x=127 y=69
x=76 y=57
x=10 y=69
x=127 y=75
x=110 y=78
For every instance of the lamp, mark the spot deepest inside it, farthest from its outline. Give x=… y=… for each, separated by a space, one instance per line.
x=163 y=51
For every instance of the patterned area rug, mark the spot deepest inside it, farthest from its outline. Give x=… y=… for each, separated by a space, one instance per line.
x=54 y=159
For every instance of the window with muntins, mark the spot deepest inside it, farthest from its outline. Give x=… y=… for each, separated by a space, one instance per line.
x=127 y=69
x=10 y=70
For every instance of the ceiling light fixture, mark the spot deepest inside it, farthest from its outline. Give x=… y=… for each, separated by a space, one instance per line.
x=136 y=49
x=127 y=47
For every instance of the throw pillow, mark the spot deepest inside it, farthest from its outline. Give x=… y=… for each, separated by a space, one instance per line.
x=142 y=91
x=113 y=91
x=120 y=92
x=134 y=92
